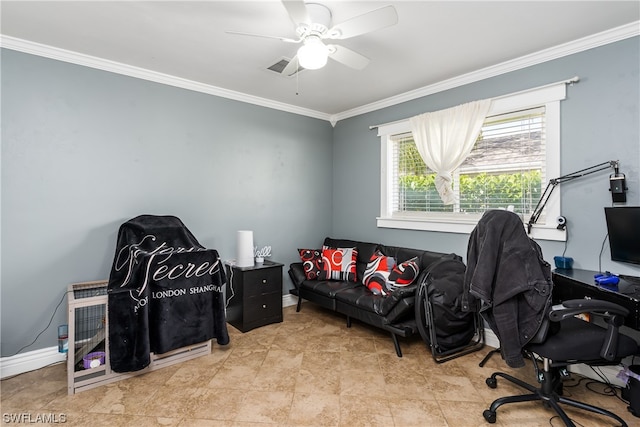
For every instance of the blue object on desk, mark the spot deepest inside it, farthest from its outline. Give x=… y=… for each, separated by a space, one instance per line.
x=562 y=262
x=607 y=281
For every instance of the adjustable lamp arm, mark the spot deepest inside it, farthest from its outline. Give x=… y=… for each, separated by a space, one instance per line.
x=571 y=176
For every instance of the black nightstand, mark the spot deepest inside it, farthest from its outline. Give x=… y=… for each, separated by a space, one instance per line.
x=255 y=295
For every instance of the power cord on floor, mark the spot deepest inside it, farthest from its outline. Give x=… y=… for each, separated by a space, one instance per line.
x=566 y=393
x=609 y=389
x=566 y=386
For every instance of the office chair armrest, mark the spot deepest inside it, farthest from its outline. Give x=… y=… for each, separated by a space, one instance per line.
x=572 y=307
x=612 y=313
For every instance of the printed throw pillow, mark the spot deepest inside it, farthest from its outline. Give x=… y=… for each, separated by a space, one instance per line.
x=311 y=262
x=403 y=274
x=339 y=264
x=377 y=273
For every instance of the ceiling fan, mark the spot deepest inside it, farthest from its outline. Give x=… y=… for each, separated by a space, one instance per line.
x=313 y=25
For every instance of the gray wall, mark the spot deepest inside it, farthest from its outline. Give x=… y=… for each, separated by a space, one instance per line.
x=85 y=150
x=599 y=122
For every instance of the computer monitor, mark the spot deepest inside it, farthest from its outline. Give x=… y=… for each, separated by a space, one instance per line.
x=623 y=225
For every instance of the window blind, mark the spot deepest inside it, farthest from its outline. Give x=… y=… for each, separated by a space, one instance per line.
x=506 y=168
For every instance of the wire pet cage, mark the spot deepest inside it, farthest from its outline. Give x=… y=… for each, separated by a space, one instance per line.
x=89 y=328
x=88 y=356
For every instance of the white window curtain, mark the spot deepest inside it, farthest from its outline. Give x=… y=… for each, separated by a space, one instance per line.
x=444 y=139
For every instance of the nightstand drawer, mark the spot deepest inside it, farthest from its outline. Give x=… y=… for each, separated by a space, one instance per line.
x=264 y=307
x=264 y=281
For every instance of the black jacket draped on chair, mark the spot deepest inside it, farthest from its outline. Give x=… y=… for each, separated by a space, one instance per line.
x=506 y=272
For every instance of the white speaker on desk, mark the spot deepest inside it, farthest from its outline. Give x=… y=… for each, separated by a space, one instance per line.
x=244 y=255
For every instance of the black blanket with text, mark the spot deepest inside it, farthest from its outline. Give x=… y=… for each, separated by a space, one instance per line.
x=165 y=291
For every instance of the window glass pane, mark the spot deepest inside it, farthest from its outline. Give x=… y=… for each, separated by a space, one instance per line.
x=505 y=169
x=415 y=190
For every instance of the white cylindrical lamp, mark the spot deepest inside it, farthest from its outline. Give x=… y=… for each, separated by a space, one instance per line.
x=244 y=255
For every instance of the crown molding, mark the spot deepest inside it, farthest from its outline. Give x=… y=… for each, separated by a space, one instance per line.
x=566 y=49
x=76 y=58
x=585 y=43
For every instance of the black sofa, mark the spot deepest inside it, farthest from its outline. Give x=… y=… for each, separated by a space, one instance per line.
x=394 y=313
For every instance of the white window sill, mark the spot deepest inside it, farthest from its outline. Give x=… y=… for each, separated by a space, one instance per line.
x=539 y=232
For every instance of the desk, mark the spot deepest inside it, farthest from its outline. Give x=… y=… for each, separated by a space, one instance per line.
x=575 y=283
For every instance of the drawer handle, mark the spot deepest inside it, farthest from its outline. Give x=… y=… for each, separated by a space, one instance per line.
x=264 y=280
x=264 y=305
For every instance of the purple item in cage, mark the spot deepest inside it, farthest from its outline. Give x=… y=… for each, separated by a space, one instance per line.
x=93 y=360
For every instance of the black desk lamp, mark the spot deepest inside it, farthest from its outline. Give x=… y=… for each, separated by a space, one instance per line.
x=616 y=182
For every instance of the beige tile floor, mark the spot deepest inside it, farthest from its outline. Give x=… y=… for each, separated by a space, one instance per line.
x=309 y=370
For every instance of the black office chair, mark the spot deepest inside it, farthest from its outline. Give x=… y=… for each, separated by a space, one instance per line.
x=577 y=341
x=508 y=281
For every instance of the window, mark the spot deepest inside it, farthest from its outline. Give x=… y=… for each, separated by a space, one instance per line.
x=504 y=169
x=511 y=162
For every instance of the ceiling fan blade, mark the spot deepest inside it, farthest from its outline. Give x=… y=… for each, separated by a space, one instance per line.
x=297 y=11
x=291 y=67
x=366 y=23
x=348 y=57
x=284 y=39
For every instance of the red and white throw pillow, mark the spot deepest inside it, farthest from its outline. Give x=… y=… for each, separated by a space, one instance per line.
x=404 y=274
x=339 y=264
x=311 y=262
x=377 y=273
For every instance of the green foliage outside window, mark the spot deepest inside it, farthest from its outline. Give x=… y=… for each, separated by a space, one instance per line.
x=478 y=192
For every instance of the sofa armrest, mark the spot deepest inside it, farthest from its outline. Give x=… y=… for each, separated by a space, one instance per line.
x=296 y=272
x=405 y=295
x=404 y=291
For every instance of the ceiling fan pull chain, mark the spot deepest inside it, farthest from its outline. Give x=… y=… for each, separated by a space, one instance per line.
x=297 y=76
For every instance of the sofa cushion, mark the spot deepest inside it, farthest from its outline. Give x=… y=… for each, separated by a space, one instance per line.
x=339 y=264
x=328 y=288
x=311 y=262
x=377 y=273
x=362 y=298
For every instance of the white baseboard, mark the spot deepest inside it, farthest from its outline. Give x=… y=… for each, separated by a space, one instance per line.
x=30 y=361
x=289 y=300
x=490 y=338
x=609 y=372
x=36 y=359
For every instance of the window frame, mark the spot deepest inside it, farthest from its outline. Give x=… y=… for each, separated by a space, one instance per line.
x=547 y=96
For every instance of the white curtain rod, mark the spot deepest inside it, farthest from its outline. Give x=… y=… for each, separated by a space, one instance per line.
x=571 y=81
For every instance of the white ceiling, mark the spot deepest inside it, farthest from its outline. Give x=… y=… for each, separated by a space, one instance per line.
x=434 y=41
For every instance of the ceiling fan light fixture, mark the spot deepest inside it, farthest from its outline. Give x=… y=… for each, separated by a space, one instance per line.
x=313 y=54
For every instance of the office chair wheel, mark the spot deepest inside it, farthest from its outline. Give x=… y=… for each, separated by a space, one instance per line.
x=492 y=383
x=490 y=416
